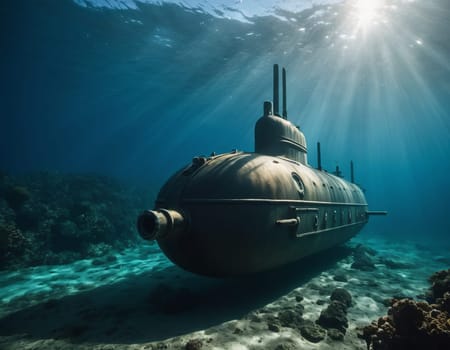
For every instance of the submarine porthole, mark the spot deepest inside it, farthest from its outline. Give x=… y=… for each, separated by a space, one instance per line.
x=298 y=185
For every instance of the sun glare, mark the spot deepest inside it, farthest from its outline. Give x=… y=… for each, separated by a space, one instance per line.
x=368 y=12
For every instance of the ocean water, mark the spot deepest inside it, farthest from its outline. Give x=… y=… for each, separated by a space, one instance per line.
x=135 y=89
x=132 y=90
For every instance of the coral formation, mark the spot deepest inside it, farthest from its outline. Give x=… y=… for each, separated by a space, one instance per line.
x=332 y=321
x=440 y=284
x=334 y=316
x=13 y=244
x=362 y=258
x=413 y=324
x=16 y=196
x=343 y=296
x=194 y=344
x=49 y=218
x=312 y=331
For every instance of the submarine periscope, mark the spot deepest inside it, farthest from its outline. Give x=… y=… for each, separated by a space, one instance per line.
x=239 y=213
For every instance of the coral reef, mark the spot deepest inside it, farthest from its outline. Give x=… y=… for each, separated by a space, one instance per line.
x=440 y=284
x=16 y=196
x=312 y=331
x=13 y=244
x=194 y=344
x=334 y=316
x=343 y=296
x=50 y=218
x=414 y=324
x=332 y=321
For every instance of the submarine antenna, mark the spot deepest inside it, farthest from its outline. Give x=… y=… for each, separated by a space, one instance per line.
x=275 y=89
x=283 y=77
x=319 y=157
x=352 y=173
x=267 y=108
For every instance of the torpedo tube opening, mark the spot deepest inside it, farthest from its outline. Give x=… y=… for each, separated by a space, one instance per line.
x=155 y=224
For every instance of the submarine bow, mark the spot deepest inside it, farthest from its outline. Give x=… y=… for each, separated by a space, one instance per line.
x=240 y=213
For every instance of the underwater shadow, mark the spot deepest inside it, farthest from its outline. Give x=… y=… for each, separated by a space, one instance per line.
x=158 y=305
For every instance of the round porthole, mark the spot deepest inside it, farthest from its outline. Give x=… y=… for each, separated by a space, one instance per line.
x=298 y=185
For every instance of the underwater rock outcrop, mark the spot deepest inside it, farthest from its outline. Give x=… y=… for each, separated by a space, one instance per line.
x=362 y=258
x=194 y=344
x=50 y=218
x=343 y=296
x=413 y=324
x=312 y=331
x=440 y=284
x=334 y=316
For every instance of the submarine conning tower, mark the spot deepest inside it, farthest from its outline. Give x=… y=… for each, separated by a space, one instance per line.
x=274 y=134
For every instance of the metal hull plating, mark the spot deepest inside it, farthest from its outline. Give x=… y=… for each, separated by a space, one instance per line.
x=227 y=248
x=246 y=213
x=240 y=213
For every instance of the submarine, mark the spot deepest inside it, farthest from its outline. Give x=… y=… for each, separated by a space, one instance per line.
x=241 y=213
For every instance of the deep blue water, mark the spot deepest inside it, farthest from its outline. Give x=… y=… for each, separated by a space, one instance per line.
x=136 y=93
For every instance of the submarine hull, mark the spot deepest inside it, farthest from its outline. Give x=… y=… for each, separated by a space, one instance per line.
x=239 y=213
x=222 y=248
x=247 y=213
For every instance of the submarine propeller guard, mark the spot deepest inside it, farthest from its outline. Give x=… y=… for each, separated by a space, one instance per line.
x=244 y=212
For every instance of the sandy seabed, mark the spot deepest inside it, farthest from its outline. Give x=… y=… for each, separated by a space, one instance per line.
x=137 y=299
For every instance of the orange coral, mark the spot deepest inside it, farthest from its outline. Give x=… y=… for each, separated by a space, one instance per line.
x=411 y=325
